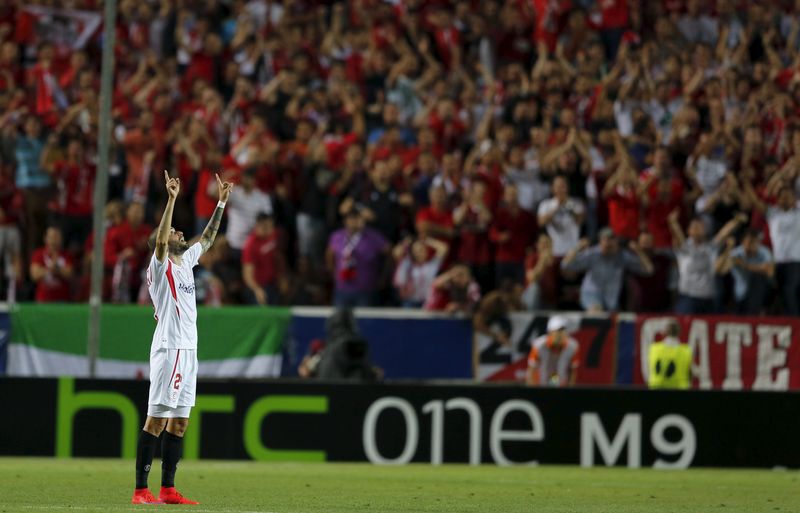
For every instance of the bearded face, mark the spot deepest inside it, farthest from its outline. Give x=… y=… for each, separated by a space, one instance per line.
x=177 y=244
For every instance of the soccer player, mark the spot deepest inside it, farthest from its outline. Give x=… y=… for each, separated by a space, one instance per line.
x=173 y=354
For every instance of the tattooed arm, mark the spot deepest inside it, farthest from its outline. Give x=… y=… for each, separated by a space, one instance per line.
x=210 y=233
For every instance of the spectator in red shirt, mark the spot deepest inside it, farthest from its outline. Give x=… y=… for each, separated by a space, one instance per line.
x=447 y=38
x=48 y=97
x=263 y=262
x=72 y=209
x=472 y=218
x=204 y=200
x=541 y=276
x=51 y=269
x=512 y=234
x=417 y=269
x=454 y=292
x=548 y=15
x=444 y=121
x=436 y=220
x=612 y=16
x=137 y=143
x=663 y=190
x=621 y=191
x=126 y=252
x=113 y=214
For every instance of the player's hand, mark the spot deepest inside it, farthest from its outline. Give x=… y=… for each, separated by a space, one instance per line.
x=173 y=185
x=225 y=189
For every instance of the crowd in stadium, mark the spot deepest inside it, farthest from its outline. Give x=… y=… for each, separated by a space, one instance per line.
x=595 y=154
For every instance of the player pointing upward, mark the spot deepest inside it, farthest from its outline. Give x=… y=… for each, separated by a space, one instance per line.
x=173 y=354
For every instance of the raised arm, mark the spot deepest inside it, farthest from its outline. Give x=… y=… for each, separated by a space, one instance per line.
x=723 y=263
x=612 y=182
x=643 y=261
x=210 y=233
x=544 y=216
x=164 y=227
x=678 y=238
x=730 y=227
x=752 y=198
x=440 y=248
x=576 y=260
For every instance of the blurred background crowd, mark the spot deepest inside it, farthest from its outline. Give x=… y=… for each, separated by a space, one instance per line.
x=595 y=154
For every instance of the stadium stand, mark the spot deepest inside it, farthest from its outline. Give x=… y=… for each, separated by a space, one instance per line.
x=508 y=130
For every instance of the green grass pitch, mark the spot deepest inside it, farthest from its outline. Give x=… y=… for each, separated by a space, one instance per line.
x=82 y=485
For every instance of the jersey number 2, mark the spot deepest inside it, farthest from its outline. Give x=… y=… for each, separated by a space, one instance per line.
x=178 y=378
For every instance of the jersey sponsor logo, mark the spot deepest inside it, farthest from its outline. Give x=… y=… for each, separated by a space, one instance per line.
x=189 y=289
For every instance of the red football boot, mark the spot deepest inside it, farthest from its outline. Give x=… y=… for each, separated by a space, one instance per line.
x=173 y=496
x=143 y=496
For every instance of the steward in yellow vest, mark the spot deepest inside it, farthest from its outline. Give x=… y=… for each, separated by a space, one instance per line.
x=670 y=362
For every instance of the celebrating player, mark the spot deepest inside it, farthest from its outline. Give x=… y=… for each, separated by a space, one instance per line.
x=173 y=354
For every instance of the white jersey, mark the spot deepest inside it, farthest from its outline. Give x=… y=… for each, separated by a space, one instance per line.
x=171 y=288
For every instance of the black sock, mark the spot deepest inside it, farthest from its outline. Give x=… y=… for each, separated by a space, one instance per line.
x=145 y=450
x=171 y=452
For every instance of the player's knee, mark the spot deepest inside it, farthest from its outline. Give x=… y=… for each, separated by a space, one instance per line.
x=154 y=425
x=177 y=426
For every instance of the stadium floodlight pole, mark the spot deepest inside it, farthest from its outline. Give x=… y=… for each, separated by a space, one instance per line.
x=101 y=182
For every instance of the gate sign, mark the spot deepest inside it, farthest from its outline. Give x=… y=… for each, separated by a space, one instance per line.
x=730 y=353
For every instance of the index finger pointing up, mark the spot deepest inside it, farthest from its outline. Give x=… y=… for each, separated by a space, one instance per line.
x=218 y=180
x=166 y=175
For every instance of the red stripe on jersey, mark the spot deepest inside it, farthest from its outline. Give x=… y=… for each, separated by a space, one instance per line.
x=171 y=281
x=177 y=357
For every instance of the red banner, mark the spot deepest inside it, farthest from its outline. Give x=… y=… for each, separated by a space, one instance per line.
x=730 y=353
x=65 y=29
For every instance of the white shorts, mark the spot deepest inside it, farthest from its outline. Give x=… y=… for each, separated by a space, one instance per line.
x=173 y=382
x=160 y=411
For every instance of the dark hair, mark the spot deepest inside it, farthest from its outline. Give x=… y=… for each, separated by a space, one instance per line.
x=673 y=328
x=263 y=216
x=752 y=233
